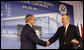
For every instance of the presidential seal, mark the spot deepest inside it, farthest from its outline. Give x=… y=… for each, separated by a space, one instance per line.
x=63 y=9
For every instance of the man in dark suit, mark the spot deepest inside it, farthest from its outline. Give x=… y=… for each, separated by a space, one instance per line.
x=29 y=38
x=67 y=34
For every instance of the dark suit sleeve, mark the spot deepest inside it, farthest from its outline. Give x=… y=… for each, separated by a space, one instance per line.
x=32 y=35
x=76 y=34
x=55 y=37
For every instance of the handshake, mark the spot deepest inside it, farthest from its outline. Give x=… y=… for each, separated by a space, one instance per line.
x=72 y=41
x=47 y=43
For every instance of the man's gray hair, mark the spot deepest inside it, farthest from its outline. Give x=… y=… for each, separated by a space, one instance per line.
x=68 y=16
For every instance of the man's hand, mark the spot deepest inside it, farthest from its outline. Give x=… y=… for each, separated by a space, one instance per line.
x=47 y=43
x=74 y=41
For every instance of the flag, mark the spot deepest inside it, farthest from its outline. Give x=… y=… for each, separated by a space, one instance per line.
x=82 y=31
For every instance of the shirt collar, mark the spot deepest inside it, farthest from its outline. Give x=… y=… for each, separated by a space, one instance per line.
x=67 y=25
x=29 y=24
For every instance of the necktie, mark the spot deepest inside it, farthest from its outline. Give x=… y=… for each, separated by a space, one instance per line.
x=64 y=29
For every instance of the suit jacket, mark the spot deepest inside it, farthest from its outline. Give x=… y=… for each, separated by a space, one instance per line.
x=65 y=39
x=29 y=38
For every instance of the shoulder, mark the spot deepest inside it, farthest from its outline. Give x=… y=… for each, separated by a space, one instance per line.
x=26 y=27
x=73 y=26
x=70 y=25
x=61 y=27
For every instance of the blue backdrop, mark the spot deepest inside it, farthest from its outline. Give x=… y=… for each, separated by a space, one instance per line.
x=47 y=14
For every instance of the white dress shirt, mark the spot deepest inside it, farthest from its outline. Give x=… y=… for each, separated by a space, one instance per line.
x=66 y=28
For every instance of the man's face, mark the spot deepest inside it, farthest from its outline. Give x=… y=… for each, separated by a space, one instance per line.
x=32 y=21
x=65 y=20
